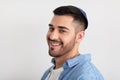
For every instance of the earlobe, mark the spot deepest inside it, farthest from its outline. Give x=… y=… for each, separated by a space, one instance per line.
x=80 y=36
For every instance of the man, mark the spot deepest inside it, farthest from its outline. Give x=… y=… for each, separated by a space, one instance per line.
x=66 y=31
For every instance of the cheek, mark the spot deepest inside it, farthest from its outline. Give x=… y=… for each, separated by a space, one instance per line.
x=47 y=36
x=68 y=39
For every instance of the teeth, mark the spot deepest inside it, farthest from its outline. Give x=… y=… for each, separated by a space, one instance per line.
x=55 y=43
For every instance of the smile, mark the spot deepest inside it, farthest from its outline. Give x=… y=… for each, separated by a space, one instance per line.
x=54 y=44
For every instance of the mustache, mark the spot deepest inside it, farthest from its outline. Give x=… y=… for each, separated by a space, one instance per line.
x=53 y=40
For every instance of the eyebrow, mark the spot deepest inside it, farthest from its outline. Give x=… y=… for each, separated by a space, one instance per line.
x=50 y=25
x=61 y=27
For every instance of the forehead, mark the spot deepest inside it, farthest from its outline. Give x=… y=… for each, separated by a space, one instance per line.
x=62 y=20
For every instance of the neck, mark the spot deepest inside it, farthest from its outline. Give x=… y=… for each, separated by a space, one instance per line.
x=59 y=61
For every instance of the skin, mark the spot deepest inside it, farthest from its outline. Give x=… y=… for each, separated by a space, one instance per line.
x=63 y=38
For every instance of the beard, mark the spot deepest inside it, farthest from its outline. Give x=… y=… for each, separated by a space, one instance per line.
x=62 y=49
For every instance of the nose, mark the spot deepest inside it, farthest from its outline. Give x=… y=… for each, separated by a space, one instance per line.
x=54 y=35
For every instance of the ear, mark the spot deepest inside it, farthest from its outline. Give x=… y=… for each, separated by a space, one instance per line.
x=80 y=36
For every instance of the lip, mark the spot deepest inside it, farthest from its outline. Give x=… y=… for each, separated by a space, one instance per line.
x=54 y=44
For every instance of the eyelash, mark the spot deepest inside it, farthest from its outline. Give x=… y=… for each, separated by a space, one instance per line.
x=51 y=29
x=61 y=31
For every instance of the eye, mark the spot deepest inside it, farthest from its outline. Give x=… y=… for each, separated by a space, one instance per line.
x=62 y=31
x=51 y=29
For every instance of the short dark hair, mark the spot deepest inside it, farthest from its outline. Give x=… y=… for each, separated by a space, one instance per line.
x=77 y=13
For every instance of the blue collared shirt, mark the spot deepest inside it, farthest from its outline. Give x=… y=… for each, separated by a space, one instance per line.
x=78 y=68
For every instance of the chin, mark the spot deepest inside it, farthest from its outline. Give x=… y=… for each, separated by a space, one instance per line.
x=54 y=54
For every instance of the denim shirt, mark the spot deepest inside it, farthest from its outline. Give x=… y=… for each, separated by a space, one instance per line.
x=78 y=68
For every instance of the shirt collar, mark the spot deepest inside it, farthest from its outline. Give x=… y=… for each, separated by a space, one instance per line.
x=82 y=58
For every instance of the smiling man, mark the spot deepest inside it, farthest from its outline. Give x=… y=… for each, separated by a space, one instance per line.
x=66 y=31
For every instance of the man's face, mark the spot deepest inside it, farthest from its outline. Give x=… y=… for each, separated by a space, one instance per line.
x=61 y=36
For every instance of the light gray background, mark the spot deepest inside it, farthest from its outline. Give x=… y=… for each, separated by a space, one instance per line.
x=23 y=28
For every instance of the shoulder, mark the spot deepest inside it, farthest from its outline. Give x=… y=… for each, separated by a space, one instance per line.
x=90 y=72
x=90 y=77
x=81 y=68
x=86 y=71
